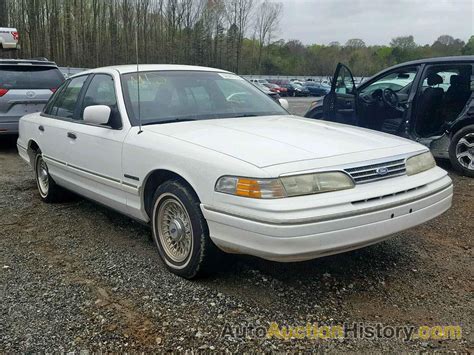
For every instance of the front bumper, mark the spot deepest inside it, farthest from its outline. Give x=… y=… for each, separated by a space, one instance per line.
x=336 y=231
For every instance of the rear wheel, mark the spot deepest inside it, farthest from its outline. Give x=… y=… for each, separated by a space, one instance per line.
x=461 y=151
x=49 y=191
x=181 y=232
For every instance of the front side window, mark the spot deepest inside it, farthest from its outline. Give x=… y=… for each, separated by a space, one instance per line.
x=167 y=96
x=100 y=91
x=344 y=81
x=65 y=104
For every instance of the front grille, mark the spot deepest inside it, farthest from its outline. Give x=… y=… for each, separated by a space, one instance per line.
x=374 y=172
x=383 y=197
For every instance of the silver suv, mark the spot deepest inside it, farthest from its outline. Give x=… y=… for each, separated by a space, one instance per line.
x=25 y=87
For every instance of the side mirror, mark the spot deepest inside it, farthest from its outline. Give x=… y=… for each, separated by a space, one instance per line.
x=284 y=103
x=97 y=114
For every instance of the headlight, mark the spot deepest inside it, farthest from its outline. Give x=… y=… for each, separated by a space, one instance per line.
x=316 y=183
x=287 y=186
x=419 y=163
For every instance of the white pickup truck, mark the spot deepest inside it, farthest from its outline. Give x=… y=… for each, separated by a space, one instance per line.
x=9 y=38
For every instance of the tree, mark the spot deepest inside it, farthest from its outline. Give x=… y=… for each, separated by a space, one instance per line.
x=3 y=13
x=238 y=14
x=355 y=43
x=469 y=47
x=445 y=40
x=403 y=42
x=267 y=19
x=92 y=33
x=447 y=45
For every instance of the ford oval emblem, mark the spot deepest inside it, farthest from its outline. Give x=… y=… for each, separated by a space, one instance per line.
x=382 y=171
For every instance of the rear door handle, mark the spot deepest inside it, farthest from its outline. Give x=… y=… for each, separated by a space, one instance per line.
x=41 y=128
x=71 y=135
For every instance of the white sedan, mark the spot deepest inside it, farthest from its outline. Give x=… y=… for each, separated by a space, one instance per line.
x=213 y=164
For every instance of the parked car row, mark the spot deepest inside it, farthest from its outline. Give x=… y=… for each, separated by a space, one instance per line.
x=294 y=87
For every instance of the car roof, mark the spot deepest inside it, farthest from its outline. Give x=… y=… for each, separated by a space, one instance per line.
x=437 y=60
x=39 y=62
x=461 y=58
x=132 y=68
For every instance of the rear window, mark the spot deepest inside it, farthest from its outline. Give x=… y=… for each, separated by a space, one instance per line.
x=29 y=77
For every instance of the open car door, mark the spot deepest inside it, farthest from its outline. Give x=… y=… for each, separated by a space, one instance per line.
x=339 y=104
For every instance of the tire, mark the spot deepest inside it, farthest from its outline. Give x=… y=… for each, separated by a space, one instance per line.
x=461 y=151
x=48 y=190
x=180 y=231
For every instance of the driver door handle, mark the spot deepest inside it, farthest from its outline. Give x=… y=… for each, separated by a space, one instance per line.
x=71 y=135
x=41 y=128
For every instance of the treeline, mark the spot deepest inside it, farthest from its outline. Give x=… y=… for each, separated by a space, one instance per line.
x=294 y=58
x=237 y=35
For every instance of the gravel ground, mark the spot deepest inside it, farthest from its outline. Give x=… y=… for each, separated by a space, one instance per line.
x=77 y=276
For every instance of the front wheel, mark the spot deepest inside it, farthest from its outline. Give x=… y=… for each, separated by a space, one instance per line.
x=461 y=151
x=180 y=231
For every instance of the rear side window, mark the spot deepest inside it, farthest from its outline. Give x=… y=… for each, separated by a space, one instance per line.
x=29 y=77
x=65 y=104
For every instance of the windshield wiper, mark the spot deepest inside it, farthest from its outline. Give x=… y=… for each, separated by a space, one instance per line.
x=210 y=117
x=170 y=120
x=243 y=115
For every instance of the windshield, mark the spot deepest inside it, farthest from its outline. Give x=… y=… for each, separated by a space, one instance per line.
x=168 y=96
x=397 y=81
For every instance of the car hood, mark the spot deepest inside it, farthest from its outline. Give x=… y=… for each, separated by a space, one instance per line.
x=270 y=140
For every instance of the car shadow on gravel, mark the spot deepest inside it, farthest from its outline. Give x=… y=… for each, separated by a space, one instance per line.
x=327 y=280
x=8 y=143
x=370 y=261
x=373 y=262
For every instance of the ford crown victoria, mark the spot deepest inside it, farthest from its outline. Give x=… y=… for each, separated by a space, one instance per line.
x=213 y=164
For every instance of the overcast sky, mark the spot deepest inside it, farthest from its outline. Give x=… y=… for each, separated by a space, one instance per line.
x=375 y=21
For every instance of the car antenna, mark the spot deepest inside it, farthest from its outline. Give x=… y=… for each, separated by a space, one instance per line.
x=138 y=80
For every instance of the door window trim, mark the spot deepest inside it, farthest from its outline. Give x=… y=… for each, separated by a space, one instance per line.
x=84 y=88
x=336 y=75
x=55 y=96
x=67 y=82
x=82 y=95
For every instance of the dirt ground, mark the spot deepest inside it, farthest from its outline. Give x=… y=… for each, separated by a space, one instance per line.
x=77 y=276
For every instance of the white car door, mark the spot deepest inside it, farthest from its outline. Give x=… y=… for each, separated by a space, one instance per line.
x=95 y=151
x=53 y=125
